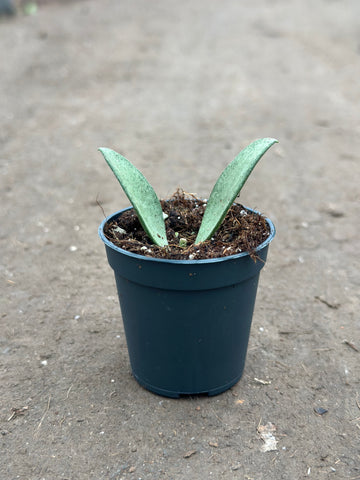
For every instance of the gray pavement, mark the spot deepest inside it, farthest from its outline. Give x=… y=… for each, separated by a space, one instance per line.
x=179 y=88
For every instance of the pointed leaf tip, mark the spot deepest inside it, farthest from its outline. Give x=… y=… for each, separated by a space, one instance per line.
x=229 y=185
x=140 y=193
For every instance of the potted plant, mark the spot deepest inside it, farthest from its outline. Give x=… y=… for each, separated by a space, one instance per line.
x=187 y=311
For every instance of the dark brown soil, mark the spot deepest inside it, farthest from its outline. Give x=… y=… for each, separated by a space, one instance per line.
x=242 y=230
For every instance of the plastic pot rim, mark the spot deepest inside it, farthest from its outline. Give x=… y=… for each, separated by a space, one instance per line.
x=180 y=262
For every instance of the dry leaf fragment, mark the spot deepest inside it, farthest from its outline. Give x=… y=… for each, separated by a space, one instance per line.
x=213 y=444
x=266 y=434
x=190 y=453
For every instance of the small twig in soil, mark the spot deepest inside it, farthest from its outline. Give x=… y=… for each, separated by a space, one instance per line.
x=335 y=306
x=68 y=392
x=62 y=421
x=351 y=345
x=294 y=332
x=217 y=416
x=99 y=205
x=262 y=382
x=44 y=415
x=322 y=349
x=193 y=195
x=256 y=257
x=16 y=412
x=305 y=369
x=277 y=362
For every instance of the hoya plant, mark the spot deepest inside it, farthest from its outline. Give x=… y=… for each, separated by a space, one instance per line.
x=147 y=205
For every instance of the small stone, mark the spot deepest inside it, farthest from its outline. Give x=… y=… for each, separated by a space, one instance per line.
x=182 y=242
x=320 y=410
x=120 y=230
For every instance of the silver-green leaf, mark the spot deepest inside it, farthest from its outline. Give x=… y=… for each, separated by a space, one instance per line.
x=141 y=195
x=229 y=185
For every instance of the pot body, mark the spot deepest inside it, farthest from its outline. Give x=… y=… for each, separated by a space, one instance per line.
x=187 y=322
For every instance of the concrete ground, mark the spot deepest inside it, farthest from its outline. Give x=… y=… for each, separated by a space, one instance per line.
x=179 y=88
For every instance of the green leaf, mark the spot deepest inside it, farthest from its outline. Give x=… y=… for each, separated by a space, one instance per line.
x=229 y=185
x=30 y=8
x=141 y=195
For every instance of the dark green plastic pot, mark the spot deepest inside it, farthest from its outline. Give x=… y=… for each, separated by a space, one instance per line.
x=187 y=322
